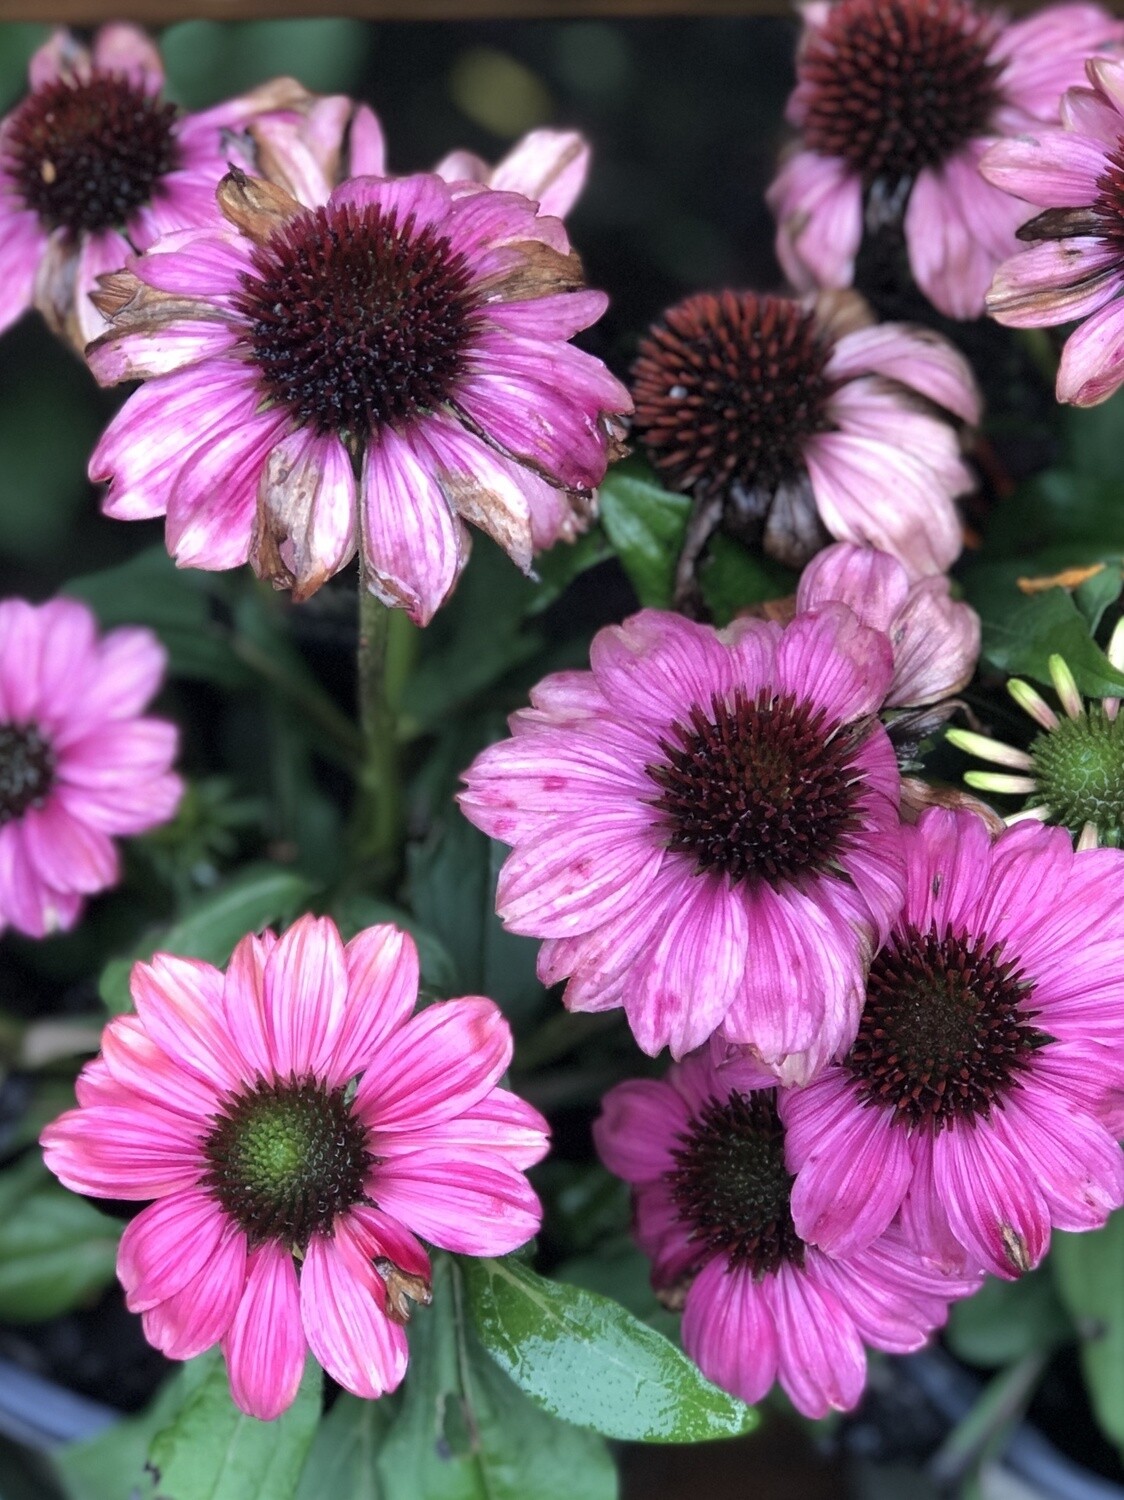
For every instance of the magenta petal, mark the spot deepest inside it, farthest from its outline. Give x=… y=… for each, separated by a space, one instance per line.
x=728 y=1330
x=343 y=1301
x=68 y=854
x=213 y=499
x=638 y=1126
x=265 y=1347
x=378 y=1236
x=501 y=1124
x=464 y=1203
x=305 y=994
x=821 y=1363
x=197 y=1317
x=435 y=1066
x=366 y=146
x=22 y=242
x=179 y=1001
x=1076 y=1163
x=996 y=1212
x=142 y=1068
x=382 y=990
x=167 y=1246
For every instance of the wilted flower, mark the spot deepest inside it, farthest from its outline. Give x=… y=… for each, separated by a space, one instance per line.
x=979 y=1098
x=1073 y=267
x=78 y=762
x=1073 y=772
x=896 y=101
x=234 y=1103
x=94 y=166
x=935 y=639
x=705 y=829
x=369 y=373
x=704 y=1150
x=797 y=421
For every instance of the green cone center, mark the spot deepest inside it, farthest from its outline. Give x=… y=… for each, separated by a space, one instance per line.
x=1079 y=768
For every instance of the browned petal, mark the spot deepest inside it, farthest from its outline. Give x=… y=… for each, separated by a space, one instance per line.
x=1068 y=578
x=278 y=93
x=1061 y=224
x=840 y=312
x=253 y=206
x=539 y=272
x=134 y=307
x=917 y=795
x=55 y=283
x=507 y=523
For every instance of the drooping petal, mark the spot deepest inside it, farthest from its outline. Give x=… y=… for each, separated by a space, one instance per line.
x=265 y=1346
x=343 y=1309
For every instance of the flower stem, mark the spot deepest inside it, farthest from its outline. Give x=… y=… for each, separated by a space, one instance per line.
x=380 y=668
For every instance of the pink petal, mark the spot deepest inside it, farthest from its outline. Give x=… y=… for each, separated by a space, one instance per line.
x=871 y=583
x=114 y=752
x=127 y=50
x=382 y=990
x=179 y=1002
x=435 y=1066
x=141 y=1068
x=379 y=1236
x=265 y=1346
x=116 y=1151
x=459 y=1203
x=343 y=1302
x=728 y=1330
x=366 y=146
x=638 y=1128
x=994 y=1210
x=914 y=357
x=547 y=166
x=1077 y=1165
x=501 y=1124
x=194 y=1319
x=22 y=242
x=212 y=502
x=1057 y=281
x=68 y=854
x=307 y=506
x=817 y=202
x=243 y=1003
x=821 y=1360
x=305 y=994
x=1092 y=362
x=1058 y=168
x=836 y=662
x=167 y=1246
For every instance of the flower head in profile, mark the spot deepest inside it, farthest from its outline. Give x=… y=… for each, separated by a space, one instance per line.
x=980 y=1099
x=705 y=830
x=796 y=421
x=95 y=165
x=896 y=101
x=79 y=762
x=934 y=638
x=1072 y=772
x=1071 y=267
x=368 y=373
x=704 y=1151
x=299 y=1129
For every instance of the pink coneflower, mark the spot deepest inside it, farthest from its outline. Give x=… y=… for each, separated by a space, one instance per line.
x=94 y=166
x=934 y=638
x=78 y=762
x=896 y=101
x=548 y=166
x=233 y=1102
x=1073 y=267
x=803 y=420
x=978 y=1094
x=705 y=829
x=372 y=372
x=704 y=1150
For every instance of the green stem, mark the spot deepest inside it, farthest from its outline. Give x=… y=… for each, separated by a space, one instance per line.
x=337 y=727
x=380 y=802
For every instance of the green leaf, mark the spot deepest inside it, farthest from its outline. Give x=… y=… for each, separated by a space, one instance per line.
x=564 y=562
x=1089 y=1272
x=1007 y=1320
x=463 y=1431
x=732 y=576
x=646 y=525
x=213 y=1451
x=176 y=603
x=57 y=1251
x=620 y=1271
x=1021 y=631
x=582 y=1357
x=342 y=1462
x=1059 y=510
x=256 y=897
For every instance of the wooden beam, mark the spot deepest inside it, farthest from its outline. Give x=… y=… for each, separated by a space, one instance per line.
x=164 y=12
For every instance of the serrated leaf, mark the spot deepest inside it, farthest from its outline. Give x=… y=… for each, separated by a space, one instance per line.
x=56 y=1250
x=646 y=525
x=1088 y=1270
x=256 y=897
x=464 y=1431
x=213 y=1451
x=585 y=1359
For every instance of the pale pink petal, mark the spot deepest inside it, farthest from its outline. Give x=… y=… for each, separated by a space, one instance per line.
x=101 y=254
x=343 y=1301
x=265 y=1346
x=1092 y=362
x=1056 y=281
x=61 y=56
x=1060 y=169
x=871 y=583
x=22 y=243
x=415 y=546
x=729 y=1331
x=179 y=1001
x=117 y=1151
x=1044 y=54
x=127 y=50
x=817 y=203
x=308 y=507
x=913 y=356
x=547 y=166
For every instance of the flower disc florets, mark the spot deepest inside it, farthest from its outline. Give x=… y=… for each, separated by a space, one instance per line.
x=894 y=86
x=27 y=769
x=946 y=1030
x=1079 y=770
x=286 y=1158
x=86 y=153
x=356 y=320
